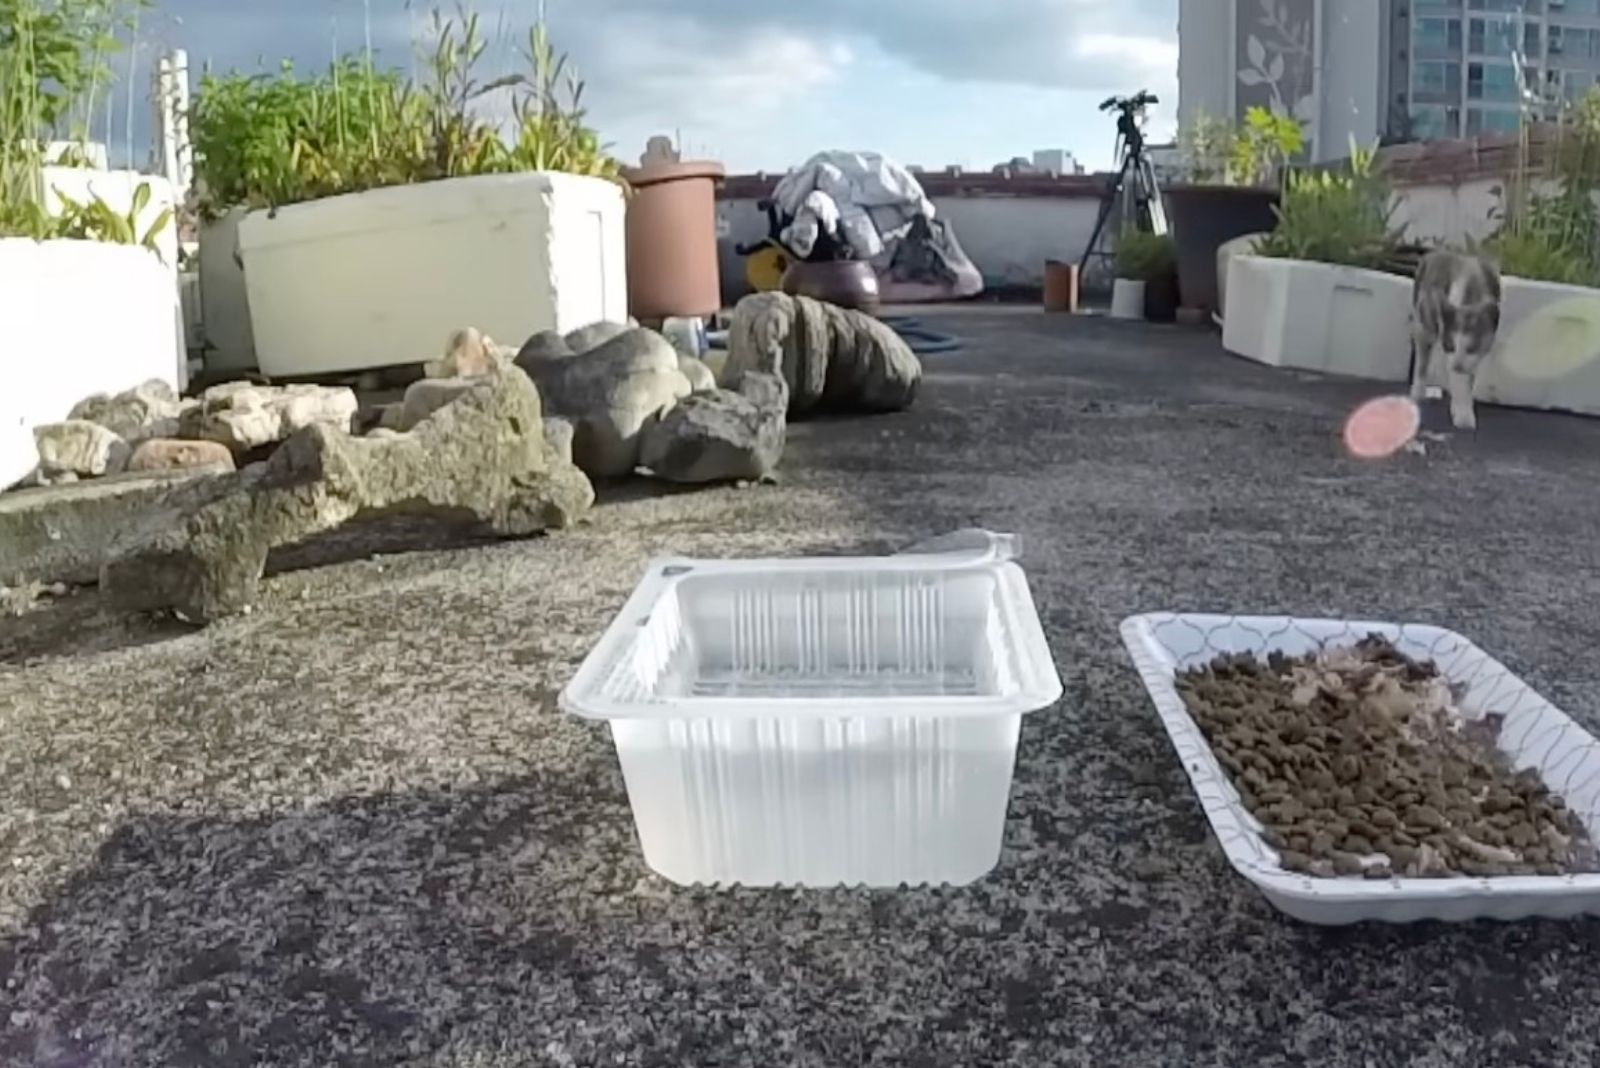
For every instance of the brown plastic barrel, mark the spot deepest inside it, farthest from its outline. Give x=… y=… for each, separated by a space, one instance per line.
x=672 y=240
x=1060 y=286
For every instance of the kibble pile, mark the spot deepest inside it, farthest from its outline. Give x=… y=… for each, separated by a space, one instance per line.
x=1358 y=765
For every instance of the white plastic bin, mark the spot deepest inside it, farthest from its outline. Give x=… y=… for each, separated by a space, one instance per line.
x=1536 y=735
x=384 y=277
x=820 y=722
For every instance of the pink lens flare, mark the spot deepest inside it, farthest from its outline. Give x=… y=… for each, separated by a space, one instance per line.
x=1382 y=427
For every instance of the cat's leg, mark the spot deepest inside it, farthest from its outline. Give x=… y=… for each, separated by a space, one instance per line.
x=1422 y=344
x=1463 y=375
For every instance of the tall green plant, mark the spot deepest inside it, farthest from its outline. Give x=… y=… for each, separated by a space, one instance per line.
x=1341 y=217
x=273 y=141
x=1547 y=226
x=1254 y=153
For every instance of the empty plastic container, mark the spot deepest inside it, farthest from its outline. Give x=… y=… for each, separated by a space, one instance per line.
x=821 y=721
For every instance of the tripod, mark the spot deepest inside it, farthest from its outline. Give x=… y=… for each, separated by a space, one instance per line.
x=1132 y=192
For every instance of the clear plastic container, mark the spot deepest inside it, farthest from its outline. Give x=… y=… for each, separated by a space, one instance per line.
x=822 y=721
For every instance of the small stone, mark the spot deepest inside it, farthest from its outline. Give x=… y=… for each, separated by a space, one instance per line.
x=426 y=396
x=81 y=448
x=168 y=454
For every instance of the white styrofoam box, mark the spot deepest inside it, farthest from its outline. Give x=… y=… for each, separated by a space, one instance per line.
x=230 y=342
x=820 y=721
x=1535 y=735
x=1547 y=353
x=1319 y=317
x=78 y=317
x=116 y=188
x=384 y=277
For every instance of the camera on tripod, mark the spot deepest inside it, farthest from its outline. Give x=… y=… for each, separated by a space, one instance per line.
x=1130 y=115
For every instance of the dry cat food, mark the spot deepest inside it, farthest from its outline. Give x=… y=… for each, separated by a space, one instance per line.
x=1358 y=764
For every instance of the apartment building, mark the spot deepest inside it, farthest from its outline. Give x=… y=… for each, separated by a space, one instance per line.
x=1402 y=69
x=1473 y=65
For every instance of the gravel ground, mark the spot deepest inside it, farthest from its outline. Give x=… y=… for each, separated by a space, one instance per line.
x=352 y=828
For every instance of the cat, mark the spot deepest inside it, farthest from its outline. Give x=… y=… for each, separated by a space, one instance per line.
x=1455 y=305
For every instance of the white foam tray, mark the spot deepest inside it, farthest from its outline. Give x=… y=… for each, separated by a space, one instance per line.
x=1535 y=734
x=819 y=722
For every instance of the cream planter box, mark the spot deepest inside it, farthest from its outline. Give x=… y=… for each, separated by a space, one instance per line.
x=79 y=317
x=230 y=343
x=1319 y=317
x=1547 y=354
x=383 y=277
x=116 y=189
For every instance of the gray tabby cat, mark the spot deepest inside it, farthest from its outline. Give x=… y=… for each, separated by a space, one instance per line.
x=1455 y=305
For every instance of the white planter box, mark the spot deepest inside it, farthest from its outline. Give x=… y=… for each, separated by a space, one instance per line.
x=79 y=317
x=383 y=277
x=1319 y=317
x=1558 y=370
x=230 y=342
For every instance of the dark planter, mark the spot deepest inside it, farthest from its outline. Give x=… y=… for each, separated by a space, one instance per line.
x=1161 y=297
x=1203 y=217
x=847 y=283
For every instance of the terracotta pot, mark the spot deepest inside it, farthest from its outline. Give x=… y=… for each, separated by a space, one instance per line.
x=672 y=240
x=847 y=283
x=1203 y=217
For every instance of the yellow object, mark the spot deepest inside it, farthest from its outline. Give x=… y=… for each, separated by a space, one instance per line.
x=763 y=268
x=1555 y=340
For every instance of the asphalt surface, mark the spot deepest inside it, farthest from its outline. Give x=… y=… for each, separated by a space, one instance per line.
x=353 y=829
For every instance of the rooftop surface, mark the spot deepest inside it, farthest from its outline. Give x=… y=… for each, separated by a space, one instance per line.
x=352 y=828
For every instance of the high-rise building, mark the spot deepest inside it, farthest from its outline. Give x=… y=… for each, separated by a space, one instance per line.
x=1472 y=65
x=1402 y=69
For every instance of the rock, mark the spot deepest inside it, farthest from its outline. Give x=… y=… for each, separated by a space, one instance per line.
x=385 y=433
x=610 y=394
x=80 y=447
x=701 y=380
x=468 y=353
x=558 y=435
x=243 y=416
x=167 y=454
x=720 y=436
x=833 y=359
x=67 y=532
x=587 y=338
x=148 y=410
x=426 y=396
x=545 y=345
x=484 y=455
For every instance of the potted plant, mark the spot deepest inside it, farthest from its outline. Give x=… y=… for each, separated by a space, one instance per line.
x=1315 y=294
x=89 y=305
x=385 y=213
x=1231 y=190
x=1147 y=258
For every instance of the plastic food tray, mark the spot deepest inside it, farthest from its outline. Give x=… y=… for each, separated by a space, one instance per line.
x=820 y=721
x=1536 y=734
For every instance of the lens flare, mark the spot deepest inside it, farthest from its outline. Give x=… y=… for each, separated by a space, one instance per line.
x=1382 y=427
x=1554 y=341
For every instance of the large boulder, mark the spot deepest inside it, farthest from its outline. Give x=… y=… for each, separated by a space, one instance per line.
x=81 y=448
x=148 y=410
x=701 y=380
x=719 y=436
x=244 y=416
x=424 y=397
x=483 y=455
x=610 y=394
x=833 y=359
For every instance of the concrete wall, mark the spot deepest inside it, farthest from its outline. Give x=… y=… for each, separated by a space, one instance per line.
x=1008 y=238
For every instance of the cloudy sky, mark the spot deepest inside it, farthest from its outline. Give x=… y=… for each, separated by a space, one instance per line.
x=759 y=85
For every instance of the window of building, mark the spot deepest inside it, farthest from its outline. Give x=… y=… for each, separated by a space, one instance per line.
x=1436 y=79
x=1492 y=37
x=1438 y=35
x=1492 y=81
x=1492 y=120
